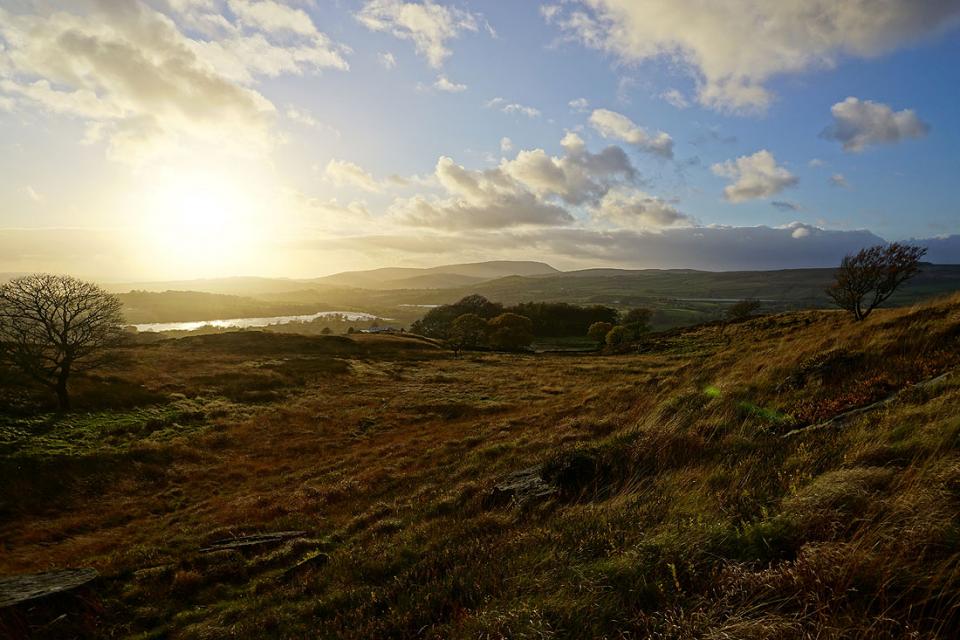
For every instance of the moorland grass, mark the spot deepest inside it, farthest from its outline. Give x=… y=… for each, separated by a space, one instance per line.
x=680 y=511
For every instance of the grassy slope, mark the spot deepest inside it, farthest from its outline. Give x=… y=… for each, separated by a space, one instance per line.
x=680 y=513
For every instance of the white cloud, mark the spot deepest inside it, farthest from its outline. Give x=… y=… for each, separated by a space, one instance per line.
x=272 y=16
x=387 y=60
x=512 y=107
x=733 y=48
x=429 y=26
x=676 y=98
x=860 y=123
x=631 y=208
x=816 y=162
x=346 y=173
x=839 y=180
x=506 y=144
x=576 y=177
x=444 y=84
x=534 y=188
x=800 y=232
x=305 y=118
x=144 y=85
x=477 y=200
x=580 y=104
x=33 y=194
x=755 y=176
x=611 y=124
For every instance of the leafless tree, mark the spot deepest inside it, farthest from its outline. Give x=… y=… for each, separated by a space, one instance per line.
x=865 y=280
x=53 y=326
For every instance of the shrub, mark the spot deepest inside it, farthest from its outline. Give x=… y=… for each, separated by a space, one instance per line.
x=510 y=331
x=598 y=331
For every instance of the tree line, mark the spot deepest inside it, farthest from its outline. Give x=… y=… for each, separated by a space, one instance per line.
x=547 y=319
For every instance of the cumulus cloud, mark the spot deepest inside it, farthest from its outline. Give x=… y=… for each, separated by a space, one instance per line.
x=512 y=107
x=506 y=144
x=858 y=124
x=477 y=200
x=345 y=173
x=532 y=189
x=129 y=70
x=444 y=84
x=580 y=104
x=429 y=26
x=611 y=124
x=733 y=48
x=839 y=180
x=576 y=177
x=755 y=176
x=631 y=208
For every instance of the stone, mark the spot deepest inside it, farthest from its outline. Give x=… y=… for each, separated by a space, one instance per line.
x=521 y=487
x=254 y=540
x=34 y=586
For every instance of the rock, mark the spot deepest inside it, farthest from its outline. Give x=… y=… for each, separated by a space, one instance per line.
x=33 y=586
x=254 y=540
x=520 y=487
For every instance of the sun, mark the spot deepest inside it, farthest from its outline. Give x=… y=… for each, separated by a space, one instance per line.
x=200 y=222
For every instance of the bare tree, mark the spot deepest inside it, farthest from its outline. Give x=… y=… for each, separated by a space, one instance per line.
x=53 y=326
x=865 y=280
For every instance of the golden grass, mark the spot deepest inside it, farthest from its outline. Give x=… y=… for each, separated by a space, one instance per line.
x=680 y=512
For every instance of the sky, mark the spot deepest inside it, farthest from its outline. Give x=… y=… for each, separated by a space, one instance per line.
x=171 y=139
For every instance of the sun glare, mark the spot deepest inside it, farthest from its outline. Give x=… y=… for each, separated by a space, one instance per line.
x=200 y=223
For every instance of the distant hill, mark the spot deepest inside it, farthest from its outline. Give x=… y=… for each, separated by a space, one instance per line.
x=680 y=296
x=389 y=278
x=242 y=286
x=442 y=277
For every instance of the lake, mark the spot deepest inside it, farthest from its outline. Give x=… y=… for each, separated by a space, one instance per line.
x=244 y=323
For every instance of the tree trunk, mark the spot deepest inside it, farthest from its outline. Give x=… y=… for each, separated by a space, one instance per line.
x=63 y=395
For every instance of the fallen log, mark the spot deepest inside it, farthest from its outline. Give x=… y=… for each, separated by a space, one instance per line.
x=838 y=420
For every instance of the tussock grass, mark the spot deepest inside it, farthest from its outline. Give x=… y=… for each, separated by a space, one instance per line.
x=679 y=512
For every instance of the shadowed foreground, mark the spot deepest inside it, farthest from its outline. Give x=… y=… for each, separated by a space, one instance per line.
x=666 y=502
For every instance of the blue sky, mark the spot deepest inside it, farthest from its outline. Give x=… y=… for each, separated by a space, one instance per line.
x=194 y=138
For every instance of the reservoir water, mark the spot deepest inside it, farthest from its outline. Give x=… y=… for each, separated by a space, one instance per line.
x=243 y=323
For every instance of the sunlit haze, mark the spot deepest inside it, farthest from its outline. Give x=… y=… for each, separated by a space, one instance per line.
x=173 y=139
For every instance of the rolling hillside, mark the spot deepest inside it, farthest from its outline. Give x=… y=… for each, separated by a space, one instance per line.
x=701 y=485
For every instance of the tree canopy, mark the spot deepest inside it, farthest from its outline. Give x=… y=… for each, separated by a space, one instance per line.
x=868 y=278
x=54 y=326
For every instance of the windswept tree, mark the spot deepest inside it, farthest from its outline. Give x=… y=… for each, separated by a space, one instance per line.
x=52 y=327
x=865 y=280
x=468 y=331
